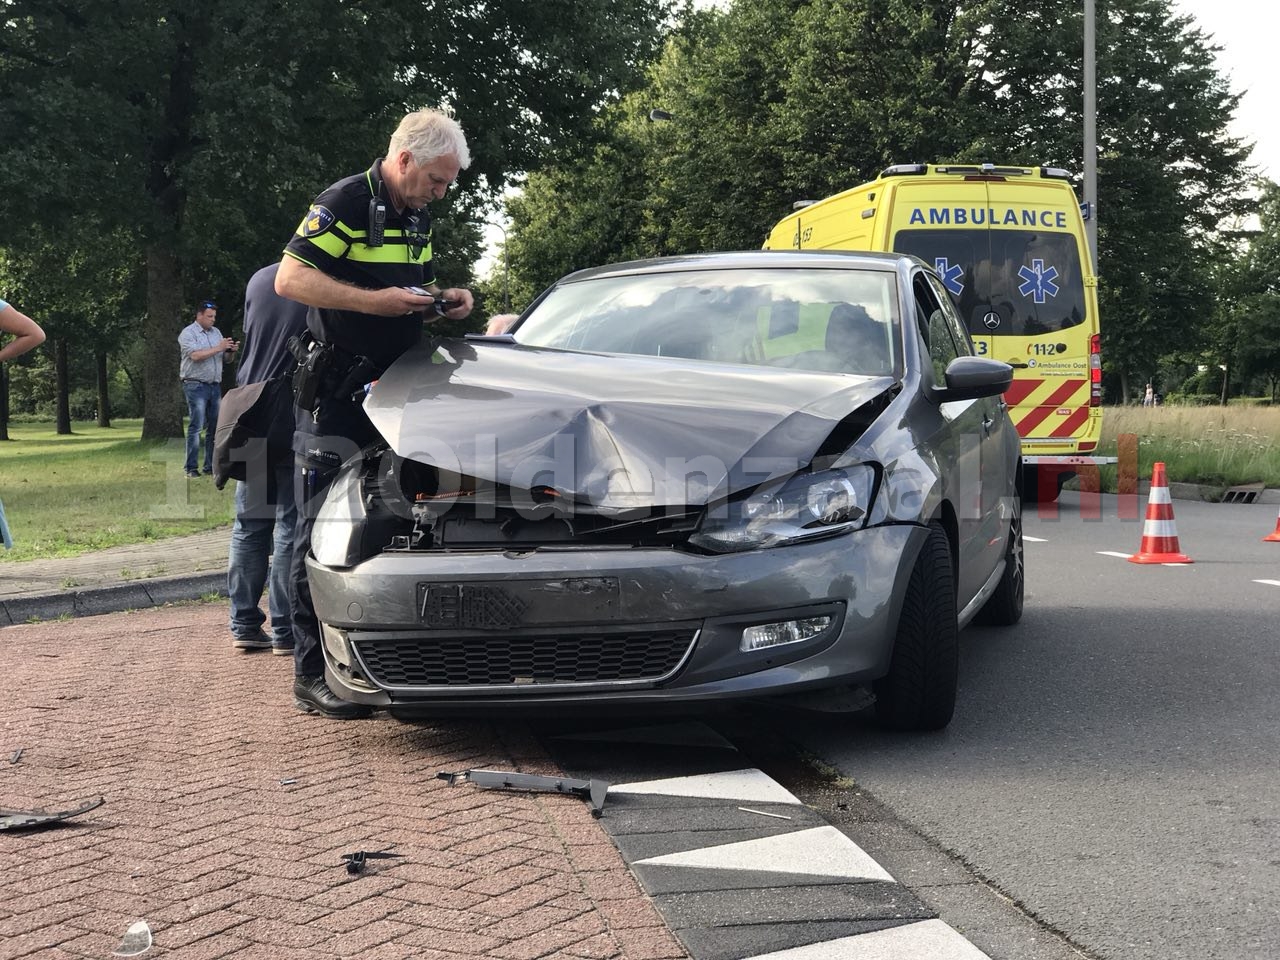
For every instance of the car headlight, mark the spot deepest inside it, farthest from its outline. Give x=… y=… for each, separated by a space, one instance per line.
x=340 y=522
x=803 y=507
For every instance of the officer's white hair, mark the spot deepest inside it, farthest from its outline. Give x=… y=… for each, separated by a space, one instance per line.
x=430 y=134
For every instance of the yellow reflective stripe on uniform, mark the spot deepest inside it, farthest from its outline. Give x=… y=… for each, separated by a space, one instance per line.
x=387 y=253
x=330 y=243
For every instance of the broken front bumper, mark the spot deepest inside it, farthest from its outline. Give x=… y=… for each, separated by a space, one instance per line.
x=639 y=625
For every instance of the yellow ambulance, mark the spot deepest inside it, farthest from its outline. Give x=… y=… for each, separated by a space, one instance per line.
x=1009 y=244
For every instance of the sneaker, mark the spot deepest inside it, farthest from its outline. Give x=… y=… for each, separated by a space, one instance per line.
x=254 y=641
x=192 y=475
x=207 y=473
x=282 y=648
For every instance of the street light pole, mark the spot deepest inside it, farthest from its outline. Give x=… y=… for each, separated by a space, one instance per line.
x=1090 y=138
x=506 y=268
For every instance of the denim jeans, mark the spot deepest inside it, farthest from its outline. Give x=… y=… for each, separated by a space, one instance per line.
x=203 y=400
x=264 y=506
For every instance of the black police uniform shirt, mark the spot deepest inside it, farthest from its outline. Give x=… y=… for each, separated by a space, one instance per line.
x=333 y=238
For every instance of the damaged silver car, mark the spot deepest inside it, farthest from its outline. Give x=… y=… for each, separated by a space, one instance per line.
x=684 y=480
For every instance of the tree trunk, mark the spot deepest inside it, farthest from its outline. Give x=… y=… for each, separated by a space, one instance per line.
x=4 y=402
x=1226 y=380
x=63 y=387
x=161 y=405
x=104 y=397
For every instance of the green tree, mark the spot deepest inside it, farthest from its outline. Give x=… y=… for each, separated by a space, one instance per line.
x=771 y=101
x=203 y=129
x=1253 y=292
x=778 y=100
x=1169 y=172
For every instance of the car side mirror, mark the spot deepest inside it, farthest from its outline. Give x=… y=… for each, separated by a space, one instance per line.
x=969 y=378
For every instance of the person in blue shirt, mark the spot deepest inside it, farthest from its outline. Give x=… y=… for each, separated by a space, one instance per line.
x=202 y=346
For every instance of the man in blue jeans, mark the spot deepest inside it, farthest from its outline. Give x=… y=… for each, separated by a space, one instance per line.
x=202 y=346
x=265 y=503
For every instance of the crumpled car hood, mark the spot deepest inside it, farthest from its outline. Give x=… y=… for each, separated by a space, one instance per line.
x=618 y=432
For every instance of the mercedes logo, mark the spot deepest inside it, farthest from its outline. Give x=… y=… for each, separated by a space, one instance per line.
x=991 y=320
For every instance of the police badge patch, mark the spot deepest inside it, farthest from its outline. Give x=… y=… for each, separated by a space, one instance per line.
x=317 y=221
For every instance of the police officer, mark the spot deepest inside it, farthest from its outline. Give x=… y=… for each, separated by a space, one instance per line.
x=363 y=244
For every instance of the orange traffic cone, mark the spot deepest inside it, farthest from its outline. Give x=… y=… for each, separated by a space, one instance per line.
x=1273 y=537
x=1159 y=535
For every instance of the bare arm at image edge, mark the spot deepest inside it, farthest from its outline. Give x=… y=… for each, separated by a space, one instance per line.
x=27 y=334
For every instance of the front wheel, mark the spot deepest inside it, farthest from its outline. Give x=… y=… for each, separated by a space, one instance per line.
x=919 y=691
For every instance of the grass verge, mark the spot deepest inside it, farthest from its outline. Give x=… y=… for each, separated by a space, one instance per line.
x=98 y=488
x=1214 y=446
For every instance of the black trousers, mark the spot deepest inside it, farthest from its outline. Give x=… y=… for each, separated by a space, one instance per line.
x=321 y=445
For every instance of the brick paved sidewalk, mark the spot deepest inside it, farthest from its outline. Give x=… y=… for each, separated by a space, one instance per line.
x=190 y=744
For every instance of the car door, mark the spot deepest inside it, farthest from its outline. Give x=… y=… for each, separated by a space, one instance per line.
x=964 y=440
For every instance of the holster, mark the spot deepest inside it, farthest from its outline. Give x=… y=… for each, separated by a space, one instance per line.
x=315 y=359
x=325 y=371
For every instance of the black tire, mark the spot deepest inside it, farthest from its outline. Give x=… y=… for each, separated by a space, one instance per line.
x=919 y=691
x=1004 y=607
x=1029 y=485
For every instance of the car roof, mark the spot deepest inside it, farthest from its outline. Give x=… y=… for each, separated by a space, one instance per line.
x=752 y=260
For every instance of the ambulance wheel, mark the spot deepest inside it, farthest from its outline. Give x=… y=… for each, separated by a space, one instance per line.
x=1004 y=607
x=919 y=691
x=1029 y=485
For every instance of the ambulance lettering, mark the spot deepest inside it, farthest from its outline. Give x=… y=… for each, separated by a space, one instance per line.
x=1008 y=216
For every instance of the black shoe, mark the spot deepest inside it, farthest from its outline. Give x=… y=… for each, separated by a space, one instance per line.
x=312 y=695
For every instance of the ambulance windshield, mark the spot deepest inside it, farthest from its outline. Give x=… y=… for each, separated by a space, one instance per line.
x=1030 y=280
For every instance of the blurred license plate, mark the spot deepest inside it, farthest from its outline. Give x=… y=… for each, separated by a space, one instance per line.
x=503 y=604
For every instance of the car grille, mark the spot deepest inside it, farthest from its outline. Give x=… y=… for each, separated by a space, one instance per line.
x=593 y=657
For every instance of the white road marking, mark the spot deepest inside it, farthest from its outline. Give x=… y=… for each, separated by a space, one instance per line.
x=751 y=785
x=1034 y=539
x=819 y=852
x=1269 y=583
x=928 y=938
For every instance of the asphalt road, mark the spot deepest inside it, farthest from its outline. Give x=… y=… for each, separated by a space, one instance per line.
x=1113 y=764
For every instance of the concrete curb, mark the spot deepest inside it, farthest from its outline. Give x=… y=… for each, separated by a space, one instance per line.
x=1195 y=491
x=133 y=595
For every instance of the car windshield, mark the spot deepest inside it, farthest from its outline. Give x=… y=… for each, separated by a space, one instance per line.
x=833 y=320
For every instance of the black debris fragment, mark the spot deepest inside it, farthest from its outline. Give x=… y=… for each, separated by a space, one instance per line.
x=356 y=861
x=31 y=819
